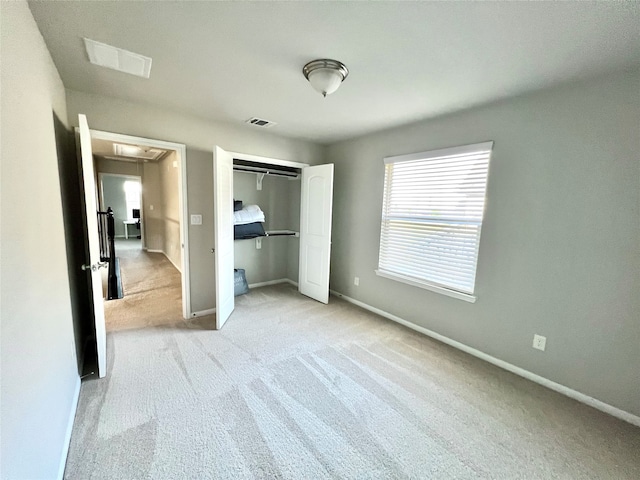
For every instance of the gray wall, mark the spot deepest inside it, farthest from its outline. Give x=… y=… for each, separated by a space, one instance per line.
x=152 y=214
x=560 y=247
x=159 y=189
x=113 y=196
x=38 y=358
x=106 y=165
x=170 y=197
x=199 y=135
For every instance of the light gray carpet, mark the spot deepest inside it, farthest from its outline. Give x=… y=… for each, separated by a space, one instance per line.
x=152 y=289
x=291 y=388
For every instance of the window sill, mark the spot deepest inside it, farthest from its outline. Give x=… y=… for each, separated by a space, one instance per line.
x=427 y=286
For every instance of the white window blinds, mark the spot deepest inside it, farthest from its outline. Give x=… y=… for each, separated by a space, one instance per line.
x=432 y=215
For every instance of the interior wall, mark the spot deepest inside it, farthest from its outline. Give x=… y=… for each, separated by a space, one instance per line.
x=200 y=136
x=170 y=193
x=38 y=353
x=152 y=211
x=117 y=167
x=113 y=196
x=560 y=248
x=106 y=165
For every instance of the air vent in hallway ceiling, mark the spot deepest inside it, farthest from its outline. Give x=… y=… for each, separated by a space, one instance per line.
x=260 y=122
x=118 y=59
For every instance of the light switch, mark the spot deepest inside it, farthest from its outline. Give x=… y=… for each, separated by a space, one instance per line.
x=150 y=207
x=175 y=164
x=196 y=219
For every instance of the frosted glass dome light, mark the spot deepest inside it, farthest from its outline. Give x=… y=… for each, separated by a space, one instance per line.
x=325 y=75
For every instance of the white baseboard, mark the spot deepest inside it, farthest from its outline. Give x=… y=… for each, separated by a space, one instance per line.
x=271 y=282
x=202 y=313
x=211 y=311
x=167 y=256
x=545 y=382
x=67 y=437
x=173 y=263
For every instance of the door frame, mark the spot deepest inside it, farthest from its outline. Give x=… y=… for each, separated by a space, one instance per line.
x=101 y=205
x=181 y=150
x=269 y=160
x=252 y=158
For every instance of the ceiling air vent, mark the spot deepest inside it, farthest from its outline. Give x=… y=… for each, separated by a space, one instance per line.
x=259 y=122
x=117 y=59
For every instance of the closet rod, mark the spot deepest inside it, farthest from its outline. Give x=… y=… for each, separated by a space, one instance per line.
x=278 y=173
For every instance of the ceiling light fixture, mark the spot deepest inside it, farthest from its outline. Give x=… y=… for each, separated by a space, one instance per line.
x=325 y=75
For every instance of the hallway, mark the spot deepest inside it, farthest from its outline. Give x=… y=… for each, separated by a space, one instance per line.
x=152 y=290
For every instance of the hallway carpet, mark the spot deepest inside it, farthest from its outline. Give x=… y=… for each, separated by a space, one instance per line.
x=294 y=389
x=152 y=288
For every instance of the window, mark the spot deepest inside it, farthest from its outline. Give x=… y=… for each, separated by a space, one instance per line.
x=432 y=216
x=132 y=197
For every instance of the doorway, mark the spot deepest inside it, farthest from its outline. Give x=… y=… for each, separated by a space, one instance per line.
x=143 y=182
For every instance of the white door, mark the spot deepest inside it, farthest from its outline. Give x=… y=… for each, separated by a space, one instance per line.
x=223 y=235
x=315 y=231
x=93 y=264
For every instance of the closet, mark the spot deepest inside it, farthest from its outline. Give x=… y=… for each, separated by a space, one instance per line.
x=297 y=201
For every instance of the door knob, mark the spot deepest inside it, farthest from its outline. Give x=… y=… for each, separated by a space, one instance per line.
x=95 y=266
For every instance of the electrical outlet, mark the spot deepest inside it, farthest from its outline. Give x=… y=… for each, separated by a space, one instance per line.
x=356 y=281
x=258 y=243
x=196 y=219
x=539 y=342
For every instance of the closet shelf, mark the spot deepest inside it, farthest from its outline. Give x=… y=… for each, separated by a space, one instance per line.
x=282 y=233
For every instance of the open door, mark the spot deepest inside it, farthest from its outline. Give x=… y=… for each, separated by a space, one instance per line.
x=223 y=235
x=93 y=264
x=315 y=231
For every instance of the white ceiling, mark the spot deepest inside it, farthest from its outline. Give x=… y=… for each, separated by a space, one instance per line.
x=229 y=61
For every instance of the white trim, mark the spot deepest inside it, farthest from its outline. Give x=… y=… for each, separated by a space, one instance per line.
x=545 y=382
x=181 y=150
x=184 y=231
x=211 y=311
x=67 y=437
x=202 y=313
x=441 y=152
x=271 y=161
x=172 y=263
x=427 y=286
x=147 y=142
x=269 y=282
x=152 y=250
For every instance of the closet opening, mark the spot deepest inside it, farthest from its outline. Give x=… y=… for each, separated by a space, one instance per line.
x=272 y=220
x=266 y=206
